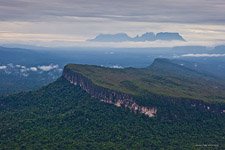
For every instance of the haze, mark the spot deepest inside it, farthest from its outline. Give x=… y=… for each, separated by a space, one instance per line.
x=71 y=23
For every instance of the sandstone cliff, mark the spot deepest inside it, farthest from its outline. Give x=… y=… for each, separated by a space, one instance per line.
x=116 y=98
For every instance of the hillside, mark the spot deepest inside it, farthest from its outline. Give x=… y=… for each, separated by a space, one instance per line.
x=163 y=77
x=63 y=116
x=211 y=66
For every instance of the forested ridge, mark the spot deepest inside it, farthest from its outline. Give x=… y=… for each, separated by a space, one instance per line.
x=62 y=116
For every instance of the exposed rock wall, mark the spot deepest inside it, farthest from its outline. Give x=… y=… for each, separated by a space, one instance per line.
x=118 y=99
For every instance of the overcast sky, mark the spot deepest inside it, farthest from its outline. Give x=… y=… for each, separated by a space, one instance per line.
x=71 y=22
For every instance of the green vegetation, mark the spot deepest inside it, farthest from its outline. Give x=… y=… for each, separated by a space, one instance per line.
x=163 y=77
x=15 y=82
x=62 y=116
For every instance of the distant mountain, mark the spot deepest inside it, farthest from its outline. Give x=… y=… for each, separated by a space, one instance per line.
x=119 y=37
x=149 y=36
x=25 y=56
x=167 y=36
x=210 y=66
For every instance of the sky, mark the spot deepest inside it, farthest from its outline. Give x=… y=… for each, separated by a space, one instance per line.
x=72 y=22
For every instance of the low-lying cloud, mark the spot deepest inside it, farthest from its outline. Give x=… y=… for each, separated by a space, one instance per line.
x=3 y=67
x=203 y=55
x=48 y=68
x=26 y=71
x=116 y=67
x=33 y=68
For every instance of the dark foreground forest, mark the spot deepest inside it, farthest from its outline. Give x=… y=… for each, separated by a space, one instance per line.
x=62 y=116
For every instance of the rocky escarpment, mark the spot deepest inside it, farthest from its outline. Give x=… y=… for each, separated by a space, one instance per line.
x=116 y=98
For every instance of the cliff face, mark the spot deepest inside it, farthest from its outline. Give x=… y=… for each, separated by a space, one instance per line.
x=118 y=99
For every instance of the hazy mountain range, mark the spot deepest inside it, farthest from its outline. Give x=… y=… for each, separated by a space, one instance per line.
x=20 y=65
x=148 y=36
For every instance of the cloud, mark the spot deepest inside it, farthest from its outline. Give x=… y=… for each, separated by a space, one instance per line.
x=23 y=67
x=48 y=68
x=203 y=55
x=64 y=22
x=33 y=68
x=23 y=70
x=74 y=34
x=130 y=10
x=3 y=67
x=116 y=67
x=18 y=66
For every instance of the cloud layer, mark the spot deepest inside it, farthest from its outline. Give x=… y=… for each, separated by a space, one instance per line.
x=64 y=22
x=26 y=71
x=3 y=67
x=131 y=10
x=203 y=55
x=48 y=68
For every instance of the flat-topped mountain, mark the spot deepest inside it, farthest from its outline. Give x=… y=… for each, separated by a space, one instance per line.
x=148 y=36
x=163 y=77
x=92 y=107
x=119 y=37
